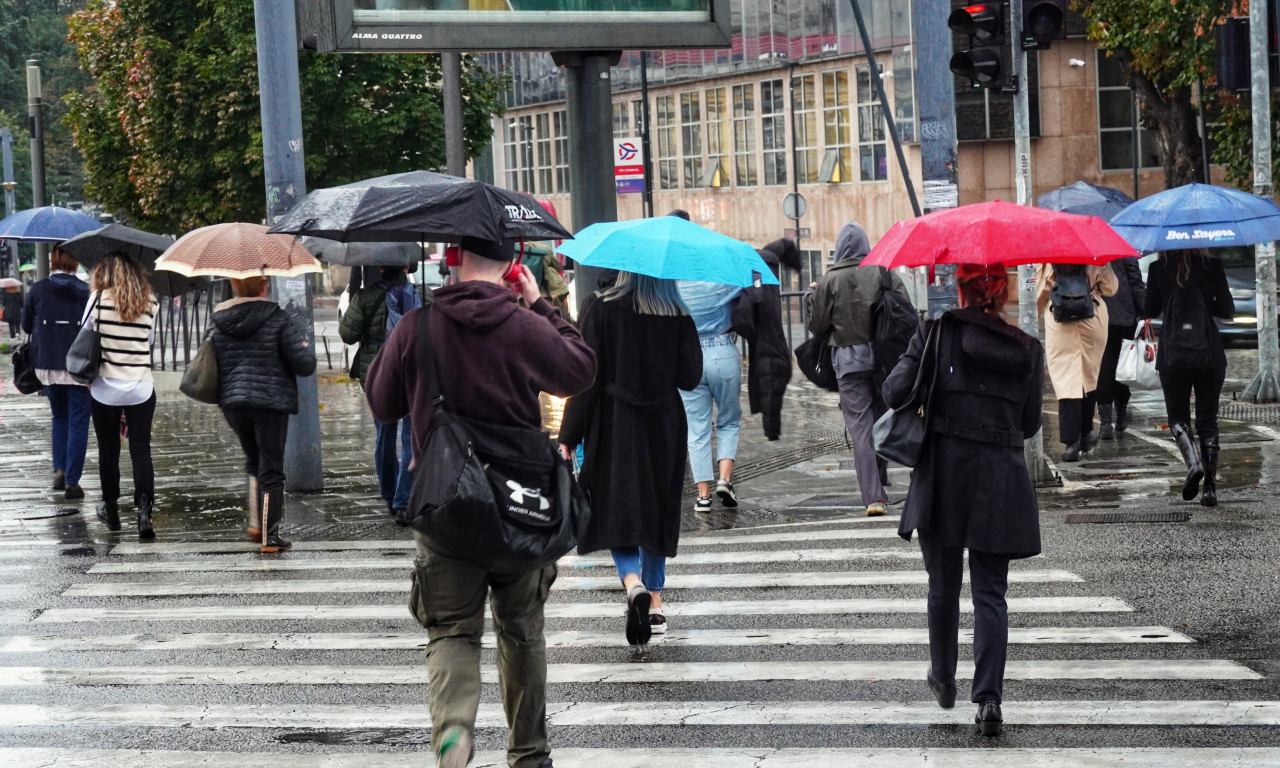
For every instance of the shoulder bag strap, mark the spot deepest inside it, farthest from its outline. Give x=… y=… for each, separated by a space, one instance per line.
x=427 y=359
x=930 y=355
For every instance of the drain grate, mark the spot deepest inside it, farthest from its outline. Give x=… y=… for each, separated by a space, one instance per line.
x=1257 y=414
x=1128 y=517
x=1118 y=464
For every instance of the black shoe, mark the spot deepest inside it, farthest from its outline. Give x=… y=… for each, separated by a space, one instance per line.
x=638 y=629
x=945 y=693
x=1089 y=442
x=1106 y=431
x=59 y=479
x=1122 y=418
x=1106 y=412
x=275 y=544
x=1191 y=457
x=990 y=721
x=724 y=489
x=110 y=515
x=1072 y=453
x=145 y=529
x=73 y=492
x=402 y=516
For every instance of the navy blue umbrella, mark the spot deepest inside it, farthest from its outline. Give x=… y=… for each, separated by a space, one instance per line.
x=49 y=224
x=1198 y=216
x=1086 y=200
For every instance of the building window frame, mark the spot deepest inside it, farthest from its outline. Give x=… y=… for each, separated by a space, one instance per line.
x=543 y=153
x=518 y=152
x=667 y=129
x=691 y=137
x=837 y=128
x=805 y=108
x=773 y=132
x=1120 y=135
x=560 y=128
x=715 y=172
x=745 y=161
x=621 y=120
x=873 y=144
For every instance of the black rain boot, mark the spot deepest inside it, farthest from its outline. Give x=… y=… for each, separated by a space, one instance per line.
x=1191 y=457
x=1105 y=414
x=1072 y=453
x=109 y=513
x=1122 y=417
x=272 y=514
x=145 y=529
x=1209 y=451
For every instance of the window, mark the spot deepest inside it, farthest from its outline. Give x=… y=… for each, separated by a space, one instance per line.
x=873 y=158
x=810 y=266
x=691 y=138
x=717 y=169
x=637 y=111
x=773 y=120
x=546 y=167
x=517 y=143
x=746 y=173
x=806 y=129
x=838 y=158
x=1116 y=113
x=668 y=162
x=621 y=121
x=560 y=121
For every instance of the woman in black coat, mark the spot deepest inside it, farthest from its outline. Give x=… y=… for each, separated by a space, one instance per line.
x=971 y=488
x=757 y=317
x=1186 y=290
x=1124 y=309
x=632 y=427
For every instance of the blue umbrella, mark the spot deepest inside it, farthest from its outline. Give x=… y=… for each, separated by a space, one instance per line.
x=1085 y=199
x=668 y=247
x=49 y=224
x=1198 y=216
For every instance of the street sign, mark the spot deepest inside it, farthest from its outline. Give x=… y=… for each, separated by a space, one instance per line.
x=794 y=205
x=791 y=233
x=628 y=165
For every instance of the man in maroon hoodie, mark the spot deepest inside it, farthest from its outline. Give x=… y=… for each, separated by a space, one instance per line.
x=494 y=358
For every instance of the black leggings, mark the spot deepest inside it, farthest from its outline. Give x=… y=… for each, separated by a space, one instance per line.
x=1109 y=390
x=106 y=427
x=1179 y=383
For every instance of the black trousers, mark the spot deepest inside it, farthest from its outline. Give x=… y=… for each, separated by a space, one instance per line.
x=262 y=435
x=988 y=581
x=1109 y=390
x=1178 y=384
x=106 y=427
x=1075 y=418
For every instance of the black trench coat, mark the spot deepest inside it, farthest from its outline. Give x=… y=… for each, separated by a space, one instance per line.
x=632 y=425
x=971 y=487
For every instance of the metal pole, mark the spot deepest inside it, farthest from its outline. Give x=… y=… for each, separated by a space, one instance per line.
x=644 y=134
x=1265 y=387
x=454 y=137
x=286 y=185
x=35 y=113
x=1133 y=138
x=795 y=171
x=10 y=203
x=1204 y=133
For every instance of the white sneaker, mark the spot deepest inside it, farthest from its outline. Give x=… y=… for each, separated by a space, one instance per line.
x=702 y=505
x=724 y=489
x=658 y=622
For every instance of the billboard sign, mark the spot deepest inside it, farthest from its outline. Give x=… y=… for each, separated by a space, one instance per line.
x=628 y=165
x=390 y=26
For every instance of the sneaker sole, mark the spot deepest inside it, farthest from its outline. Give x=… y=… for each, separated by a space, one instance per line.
x=727 y=499
x=638 y=629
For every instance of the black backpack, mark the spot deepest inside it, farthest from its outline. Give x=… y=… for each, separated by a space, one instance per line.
x=1071 y=298
x=893 y=323
x=1184 y=332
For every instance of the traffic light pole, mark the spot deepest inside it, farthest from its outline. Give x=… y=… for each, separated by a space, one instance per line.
x=1265 y=387
x=936 y=105
x=10 y=203
x=35 y=113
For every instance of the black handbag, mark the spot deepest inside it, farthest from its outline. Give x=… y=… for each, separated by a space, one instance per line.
x=24 y=370
x=497 y=496
x=899 y=435
x=813 y=358
x=85 y=355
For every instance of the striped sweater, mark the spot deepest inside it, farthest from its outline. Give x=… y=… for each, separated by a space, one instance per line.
x=126 y=347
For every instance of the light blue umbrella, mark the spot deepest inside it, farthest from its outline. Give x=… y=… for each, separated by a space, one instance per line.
x=1198 y=216
x=49 y=224
x=668 y=247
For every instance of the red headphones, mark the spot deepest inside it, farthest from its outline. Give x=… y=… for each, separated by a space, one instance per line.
x=453 y=258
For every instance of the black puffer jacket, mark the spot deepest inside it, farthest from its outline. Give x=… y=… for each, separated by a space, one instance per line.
x=260 y=353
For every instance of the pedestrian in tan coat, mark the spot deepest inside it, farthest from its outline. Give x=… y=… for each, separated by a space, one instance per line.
x=1074 y=354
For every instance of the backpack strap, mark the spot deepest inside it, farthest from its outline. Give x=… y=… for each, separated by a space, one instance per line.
x=427 y=358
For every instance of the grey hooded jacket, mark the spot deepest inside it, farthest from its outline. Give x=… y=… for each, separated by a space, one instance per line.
x=845 y=294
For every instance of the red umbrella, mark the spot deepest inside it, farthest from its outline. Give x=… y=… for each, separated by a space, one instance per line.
x=998 y=233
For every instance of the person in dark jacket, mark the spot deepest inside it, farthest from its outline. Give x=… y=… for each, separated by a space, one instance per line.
x=260 y=354
x=757 y=318
x=633 y=430
x=971 y=489
x=1124 y=309
x=52 y=316
x=1187 y=289
x=495 y=357
x=13 y=310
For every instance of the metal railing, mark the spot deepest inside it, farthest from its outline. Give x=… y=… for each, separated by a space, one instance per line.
x=180 y=327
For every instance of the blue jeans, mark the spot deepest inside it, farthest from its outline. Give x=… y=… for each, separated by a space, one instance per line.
x=651 y=568
x=70 y=406
x=395 y=481
x=722 y=384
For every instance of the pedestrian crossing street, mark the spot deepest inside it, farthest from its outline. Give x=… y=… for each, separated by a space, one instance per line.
x=794 y=645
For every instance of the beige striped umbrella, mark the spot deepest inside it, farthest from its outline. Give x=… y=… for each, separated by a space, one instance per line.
x=237 y=250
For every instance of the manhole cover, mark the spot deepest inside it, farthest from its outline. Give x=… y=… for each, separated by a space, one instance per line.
x=1128 y=517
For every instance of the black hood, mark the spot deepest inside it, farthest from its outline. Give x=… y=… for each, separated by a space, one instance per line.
x=995 y=344
x=241 y=318
x=477 y=305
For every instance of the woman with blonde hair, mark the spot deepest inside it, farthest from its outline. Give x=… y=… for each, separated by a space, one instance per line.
x=122 y=309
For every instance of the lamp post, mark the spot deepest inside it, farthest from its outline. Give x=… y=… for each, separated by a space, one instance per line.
x=35 y=111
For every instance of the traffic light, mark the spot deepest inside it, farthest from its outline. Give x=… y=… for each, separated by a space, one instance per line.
x=984 y=24
x=1231 y=38
x=1043 y=21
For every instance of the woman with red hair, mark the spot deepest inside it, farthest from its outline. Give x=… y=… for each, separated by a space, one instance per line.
x=971 y=489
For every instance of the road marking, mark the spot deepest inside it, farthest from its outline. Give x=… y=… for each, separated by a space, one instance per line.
x=593 y=674
x=1166 y=444
x=412 y=641
x=564 y=583
x=567 y=610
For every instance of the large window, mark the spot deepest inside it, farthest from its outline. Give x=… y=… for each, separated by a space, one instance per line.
x=746 y=173
x=691 y=138
x=560 y=119
x=1116 y=113
x=717 y=169
x=773 y=125
x=873 y=158
x=517 y=141
x=668 y=154
x=546 y=166
x=838 y=158
x=621 y=121
x=806 y=112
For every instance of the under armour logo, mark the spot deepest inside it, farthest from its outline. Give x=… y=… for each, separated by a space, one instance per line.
x=520 y=494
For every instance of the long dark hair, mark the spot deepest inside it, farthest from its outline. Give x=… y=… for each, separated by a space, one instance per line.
x=1180 y=263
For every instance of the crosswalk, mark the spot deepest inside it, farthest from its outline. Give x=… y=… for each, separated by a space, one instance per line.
x=789 y=646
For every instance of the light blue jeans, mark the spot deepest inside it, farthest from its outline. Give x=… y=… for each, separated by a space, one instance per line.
x=651 y=568
x=722 y=384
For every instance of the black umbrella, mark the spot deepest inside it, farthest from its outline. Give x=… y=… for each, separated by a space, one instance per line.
x=89 y=248
x=1086 y=200
x=420 y=206
x=359 y=254
x=169 y=283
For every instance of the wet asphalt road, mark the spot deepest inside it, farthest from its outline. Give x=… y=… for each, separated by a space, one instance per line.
x=220 y=658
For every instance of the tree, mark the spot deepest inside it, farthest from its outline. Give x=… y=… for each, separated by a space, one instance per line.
x=171 y=132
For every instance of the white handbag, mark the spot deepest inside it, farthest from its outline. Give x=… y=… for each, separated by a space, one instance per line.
x=1137 y=366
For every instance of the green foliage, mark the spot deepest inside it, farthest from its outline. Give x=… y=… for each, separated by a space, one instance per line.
x=1234 y=137
x=171 y=133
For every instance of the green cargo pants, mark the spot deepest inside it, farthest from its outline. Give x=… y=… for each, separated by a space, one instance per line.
x=447 y=597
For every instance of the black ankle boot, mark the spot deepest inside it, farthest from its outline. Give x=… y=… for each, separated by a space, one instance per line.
x=1122 y=417
x=1105 y=414
x=989 y=719
x=145 y=529
x=109 y=514
x=1072 y=453
x=1209 y=453
x=1191 y=457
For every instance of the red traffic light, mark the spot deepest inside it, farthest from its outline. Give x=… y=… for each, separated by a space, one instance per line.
x=981 y=22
